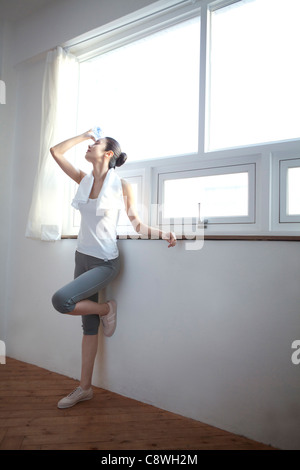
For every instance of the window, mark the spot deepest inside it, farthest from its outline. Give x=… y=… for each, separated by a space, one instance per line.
x=293 y=191
x=203 y=96
x=290 y=190
x=217 y=195
x=143 y=92
x=254 y=93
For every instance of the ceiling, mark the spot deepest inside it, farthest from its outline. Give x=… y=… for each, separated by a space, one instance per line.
x=14 y=10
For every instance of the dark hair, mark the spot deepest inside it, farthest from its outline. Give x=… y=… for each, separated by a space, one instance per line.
x=119 y=157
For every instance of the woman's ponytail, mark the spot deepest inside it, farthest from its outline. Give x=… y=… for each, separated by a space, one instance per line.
x=119 y=157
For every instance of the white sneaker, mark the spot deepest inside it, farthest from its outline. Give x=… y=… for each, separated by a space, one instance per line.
x=110 y=320
x=74 y=397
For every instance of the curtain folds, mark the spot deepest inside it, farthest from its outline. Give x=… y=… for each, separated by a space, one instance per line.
x=59 y=111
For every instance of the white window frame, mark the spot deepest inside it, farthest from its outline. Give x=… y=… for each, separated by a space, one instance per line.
x=158 y=16
x=266 y=157
x=280 y=221
x=221 y=170
x=216 y=225
x=285 y=165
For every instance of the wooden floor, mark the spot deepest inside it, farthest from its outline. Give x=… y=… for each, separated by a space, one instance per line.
x=30 y=419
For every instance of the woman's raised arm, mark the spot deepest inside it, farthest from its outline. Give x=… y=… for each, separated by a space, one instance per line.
x=58 y=151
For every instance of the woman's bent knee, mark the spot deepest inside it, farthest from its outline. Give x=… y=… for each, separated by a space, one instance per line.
x=61 y=303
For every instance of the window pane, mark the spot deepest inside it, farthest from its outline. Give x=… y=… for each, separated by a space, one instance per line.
x=293 y=191
x=146 y=94
x=254 y=73
x=219 y=195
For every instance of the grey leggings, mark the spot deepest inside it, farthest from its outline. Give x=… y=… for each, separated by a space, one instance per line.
x=90 y=276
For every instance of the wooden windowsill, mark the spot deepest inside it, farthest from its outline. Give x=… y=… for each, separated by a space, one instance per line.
x=284 y=238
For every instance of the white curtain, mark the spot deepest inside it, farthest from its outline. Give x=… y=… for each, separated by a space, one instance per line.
x=59 y=109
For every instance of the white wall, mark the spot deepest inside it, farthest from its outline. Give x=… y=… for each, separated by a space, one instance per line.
x=206 y=334
x=7 y=119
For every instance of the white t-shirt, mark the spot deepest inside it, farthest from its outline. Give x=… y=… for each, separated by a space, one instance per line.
x=99 y=217
x=98 y=233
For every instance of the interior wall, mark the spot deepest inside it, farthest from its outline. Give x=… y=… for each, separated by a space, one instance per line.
x=206 y=334
x=7 y=120
x=62 y=20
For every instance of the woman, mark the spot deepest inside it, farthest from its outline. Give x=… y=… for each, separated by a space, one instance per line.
x=99 y=197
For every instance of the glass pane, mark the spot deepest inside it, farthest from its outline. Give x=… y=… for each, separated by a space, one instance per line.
x=146 y=94
x=219 y=195
x=254 y=73
x=293 y=191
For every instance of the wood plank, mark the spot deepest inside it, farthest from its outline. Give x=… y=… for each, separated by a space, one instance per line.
x=11 y=443
x=30 y=419
x=2 y=434
x=194 y=443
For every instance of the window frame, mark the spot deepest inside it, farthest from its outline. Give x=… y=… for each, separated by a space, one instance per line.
x=211 y=171
x=230 y=225
x=285 y=165
x=280 y=222
x=266 y=157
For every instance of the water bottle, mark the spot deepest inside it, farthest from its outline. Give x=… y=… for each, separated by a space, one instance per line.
x=97 y=133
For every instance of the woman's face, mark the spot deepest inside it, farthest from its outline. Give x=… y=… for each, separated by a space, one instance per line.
x=96 y=151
